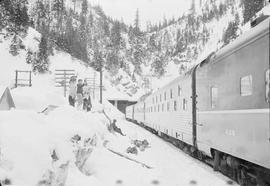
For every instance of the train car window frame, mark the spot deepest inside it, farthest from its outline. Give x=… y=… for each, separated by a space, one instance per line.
x=246 y=85
x=214 y=96
x=179 y=90
x=175 y=105
x=184 y=104
x=267 y=85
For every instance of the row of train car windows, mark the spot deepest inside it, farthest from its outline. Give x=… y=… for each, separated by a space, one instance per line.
x=157 y=98
x=245 y=88
x=161 y=107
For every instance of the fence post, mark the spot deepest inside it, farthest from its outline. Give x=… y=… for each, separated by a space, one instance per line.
x=30 y=79
x=16 y=78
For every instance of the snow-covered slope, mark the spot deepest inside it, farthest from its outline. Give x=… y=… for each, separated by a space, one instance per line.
x=43 y=91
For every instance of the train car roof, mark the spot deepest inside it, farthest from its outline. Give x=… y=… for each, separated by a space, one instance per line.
x=254 y=33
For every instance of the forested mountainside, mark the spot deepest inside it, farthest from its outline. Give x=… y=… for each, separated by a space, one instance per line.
x=132 y=57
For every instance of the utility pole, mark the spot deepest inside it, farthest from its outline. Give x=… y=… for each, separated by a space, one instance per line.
x=100 y=86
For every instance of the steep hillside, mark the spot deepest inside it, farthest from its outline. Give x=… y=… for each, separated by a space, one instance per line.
x=134 y=61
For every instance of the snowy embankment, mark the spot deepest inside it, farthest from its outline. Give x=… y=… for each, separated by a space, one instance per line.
x=76 y=148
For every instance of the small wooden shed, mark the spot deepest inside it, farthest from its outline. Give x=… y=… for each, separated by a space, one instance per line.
x=119 y=99
x=6 y=100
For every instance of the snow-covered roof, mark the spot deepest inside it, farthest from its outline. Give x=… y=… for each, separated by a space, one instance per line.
x=114 y=94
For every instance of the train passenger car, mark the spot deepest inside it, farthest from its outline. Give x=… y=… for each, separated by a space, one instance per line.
x=233 y=99
x=129 y=112
x=139 y=114
x=169 y=110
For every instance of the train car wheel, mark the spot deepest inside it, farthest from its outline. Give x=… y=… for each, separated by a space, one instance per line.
x=242 y=177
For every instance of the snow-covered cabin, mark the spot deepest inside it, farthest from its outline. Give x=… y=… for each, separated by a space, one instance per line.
x=6 y=100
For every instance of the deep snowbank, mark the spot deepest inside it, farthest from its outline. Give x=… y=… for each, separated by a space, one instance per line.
x=28 y=139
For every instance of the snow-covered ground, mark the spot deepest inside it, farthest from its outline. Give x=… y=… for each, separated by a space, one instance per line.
x=38 y=149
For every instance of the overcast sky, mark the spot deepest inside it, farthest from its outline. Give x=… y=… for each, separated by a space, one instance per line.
x=149 y=10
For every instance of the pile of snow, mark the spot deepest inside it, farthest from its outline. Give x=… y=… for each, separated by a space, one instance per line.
x=27 y=140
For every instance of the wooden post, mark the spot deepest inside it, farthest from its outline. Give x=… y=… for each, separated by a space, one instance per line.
x=30 y=78
x=65 y=87
x=16 y=78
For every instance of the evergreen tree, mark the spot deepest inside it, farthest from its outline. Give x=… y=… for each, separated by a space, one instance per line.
x=152 y=43
x=165 y=22
x=15 y=45
x=58 y=11
x=180 y=44
x=98 y=61
x=106 y=28
x=158 y=65
x=14 y=15
x=251 y=7
x=41 y=63
x=91 y=19
x=30 y=57
x=231 y=31
x=84 y=7
x=136 y=29
x=116 y=35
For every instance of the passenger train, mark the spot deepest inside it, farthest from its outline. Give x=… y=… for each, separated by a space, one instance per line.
x=219 y=110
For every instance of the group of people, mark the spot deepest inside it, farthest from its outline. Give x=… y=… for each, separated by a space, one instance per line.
x=79 y=93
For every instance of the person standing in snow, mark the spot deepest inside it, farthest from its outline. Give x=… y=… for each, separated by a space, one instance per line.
x=72 y=91
x=80 y=93
x=87 y=105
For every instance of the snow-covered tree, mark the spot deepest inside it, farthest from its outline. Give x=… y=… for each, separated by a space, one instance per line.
x=14 y=15
x=136 y=29
x=158 y=65
x=251 y=7
x=231 y=31
x=30 y=57
x=41 y=62
x=15 y=45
